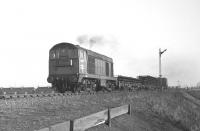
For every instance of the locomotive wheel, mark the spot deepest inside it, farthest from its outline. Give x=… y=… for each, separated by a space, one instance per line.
x=60 y=86
x=74 y=88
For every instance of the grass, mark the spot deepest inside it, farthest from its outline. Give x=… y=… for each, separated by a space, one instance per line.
x=173 y=107
x=170 y=106
x=195 y=93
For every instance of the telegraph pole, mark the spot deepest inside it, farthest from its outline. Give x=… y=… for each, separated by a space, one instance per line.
x=160 y=73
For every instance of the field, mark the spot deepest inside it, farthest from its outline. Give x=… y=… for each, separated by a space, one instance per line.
x=174 y=110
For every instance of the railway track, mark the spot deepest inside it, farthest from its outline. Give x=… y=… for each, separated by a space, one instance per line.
x=15 y=96
x=42 y=92
x=11 y=96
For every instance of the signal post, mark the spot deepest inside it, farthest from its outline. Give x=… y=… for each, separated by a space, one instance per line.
x=160 y=74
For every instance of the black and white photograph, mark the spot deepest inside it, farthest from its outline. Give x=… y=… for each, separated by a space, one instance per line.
x=99 y=65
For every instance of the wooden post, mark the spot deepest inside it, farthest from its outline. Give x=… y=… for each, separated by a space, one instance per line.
x=71 y=125
x=109 y=118
x=129 y=109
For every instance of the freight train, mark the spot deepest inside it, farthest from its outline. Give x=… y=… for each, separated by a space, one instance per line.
x=73 y=68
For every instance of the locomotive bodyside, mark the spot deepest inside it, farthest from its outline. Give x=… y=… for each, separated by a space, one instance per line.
x=100 y=67
x=95 y=71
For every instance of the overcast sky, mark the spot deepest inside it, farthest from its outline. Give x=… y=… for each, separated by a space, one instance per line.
x=132 y=32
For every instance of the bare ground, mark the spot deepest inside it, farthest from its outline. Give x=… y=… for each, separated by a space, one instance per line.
x=169 y=110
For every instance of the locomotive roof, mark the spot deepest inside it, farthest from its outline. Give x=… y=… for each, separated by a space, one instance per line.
x=63 y=44
x=91 y=53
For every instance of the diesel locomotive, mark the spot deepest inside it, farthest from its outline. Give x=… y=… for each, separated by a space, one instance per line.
x=73 y=68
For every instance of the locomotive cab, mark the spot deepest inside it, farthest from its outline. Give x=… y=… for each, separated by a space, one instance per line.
x=63 y=66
